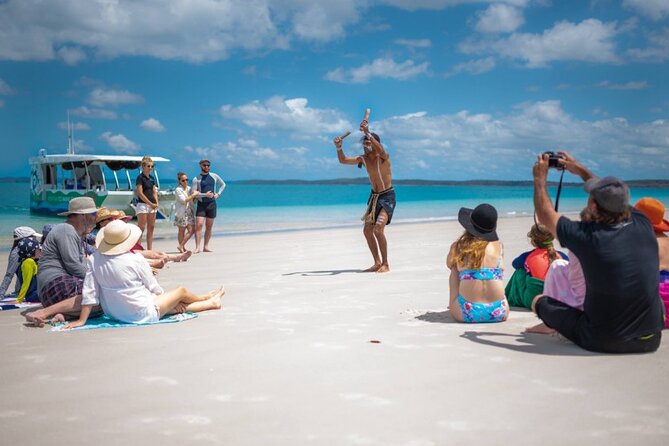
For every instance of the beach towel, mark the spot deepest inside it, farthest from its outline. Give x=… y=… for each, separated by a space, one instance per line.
x=107 y=322
x=10 y=303
x=522 y=289
x=664 y=295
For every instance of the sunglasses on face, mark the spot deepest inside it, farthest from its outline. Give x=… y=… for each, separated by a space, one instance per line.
x=150 y=166
x=183 y=180
x=206 y=165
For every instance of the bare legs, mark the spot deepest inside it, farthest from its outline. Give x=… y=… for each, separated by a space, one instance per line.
x=70 y=308
x=181 y=299
x=207 y=233
x=184 y=235
x=539 y=328
x=376 y=241
x=208 y=224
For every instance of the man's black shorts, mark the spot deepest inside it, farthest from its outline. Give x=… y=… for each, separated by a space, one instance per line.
x=206 y=209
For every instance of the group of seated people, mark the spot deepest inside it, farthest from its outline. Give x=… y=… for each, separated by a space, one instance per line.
x=94 y=262
x=610 y=293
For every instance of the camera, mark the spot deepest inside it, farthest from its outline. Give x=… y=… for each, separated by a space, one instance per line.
x=553 y=160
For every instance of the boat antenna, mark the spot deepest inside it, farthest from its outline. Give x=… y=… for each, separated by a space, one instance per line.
x=70 y=131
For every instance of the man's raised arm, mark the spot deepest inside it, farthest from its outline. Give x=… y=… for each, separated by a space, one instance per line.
x=343 y=159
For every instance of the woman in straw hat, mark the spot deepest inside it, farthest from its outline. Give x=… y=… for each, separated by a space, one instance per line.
x=476 y=264
x=157 y=259
x=123 y=284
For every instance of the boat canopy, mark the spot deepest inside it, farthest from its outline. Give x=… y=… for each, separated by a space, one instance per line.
x=114 y=162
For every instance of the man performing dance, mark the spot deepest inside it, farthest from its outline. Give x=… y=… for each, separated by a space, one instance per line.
x=381 y=203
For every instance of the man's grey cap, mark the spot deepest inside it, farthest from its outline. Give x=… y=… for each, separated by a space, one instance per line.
x=610 y=193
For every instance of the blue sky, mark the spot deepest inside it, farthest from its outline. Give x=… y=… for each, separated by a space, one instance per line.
x=459 y=89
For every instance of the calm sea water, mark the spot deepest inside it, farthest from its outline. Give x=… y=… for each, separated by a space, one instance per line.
x=262 y=208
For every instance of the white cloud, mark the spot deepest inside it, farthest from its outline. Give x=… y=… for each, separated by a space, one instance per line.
x=102 y=96
x=478 y=66
x=5 y=89
x=454 y=144
x=152 y=125
x=71 y=55
x=414 y=43
x=654 y=9
x=93 y=113
x=382 y=68
x=632 y=85
x=247 y=153
x=499 y=18
x=78 y=126
x=413 y=5
x=191 y=30
x=657 y=52
x=588 y=41
x=293 y=115
x=120 y=143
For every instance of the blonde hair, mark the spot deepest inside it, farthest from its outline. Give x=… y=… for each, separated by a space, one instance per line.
x=469 y=251
x=540 y=237
x=146 y=160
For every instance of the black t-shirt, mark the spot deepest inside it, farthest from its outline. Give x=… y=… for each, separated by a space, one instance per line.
x=147 y=187
x=621 y=266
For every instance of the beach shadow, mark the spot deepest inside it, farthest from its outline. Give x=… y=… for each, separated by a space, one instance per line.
x=333 y=272
x=439 y=317
x=529 y=343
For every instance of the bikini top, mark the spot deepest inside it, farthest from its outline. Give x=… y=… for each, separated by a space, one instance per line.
x=495 y=273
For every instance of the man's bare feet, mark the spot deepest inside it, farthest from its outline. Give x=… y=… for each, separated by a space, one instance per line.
x=207 y=249
x=540 y=329
x=180 y=248
x=383 y=269
x=185 y=256
x=36 y=319
x=372 y=269
x=216 y=299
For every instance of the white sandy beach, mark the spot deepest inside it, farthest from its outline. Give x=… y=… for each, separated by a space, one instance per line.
x=288 y=360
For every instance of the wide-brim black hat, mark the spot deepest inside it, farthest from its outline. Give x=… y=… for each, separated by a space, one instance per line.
x=480 y=221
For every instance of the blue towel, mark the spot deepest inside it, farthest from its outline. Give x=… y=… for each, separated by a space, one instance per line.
x=107 y=322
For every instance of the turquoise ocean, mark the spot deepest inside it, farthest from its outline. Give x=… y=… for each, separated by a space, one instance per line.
x=252 y=208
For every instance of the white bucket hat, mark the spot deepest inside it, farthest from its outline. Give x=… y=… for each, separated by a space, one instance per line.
x=117 y=237
x=25 y=231
x=80 y=205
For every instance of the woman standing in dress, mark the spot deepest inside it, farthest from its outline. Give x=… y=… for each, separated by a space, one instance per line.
x=184 y=211
x=147 y=201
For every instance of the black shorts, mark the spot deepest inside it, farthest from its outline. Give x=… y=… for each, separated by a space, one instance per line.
x=573 y=324
x=206 y=209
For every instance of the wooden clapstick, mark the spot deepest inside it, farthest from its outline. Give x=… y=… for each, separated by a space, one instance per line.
x=367 y=112
x=344 y=135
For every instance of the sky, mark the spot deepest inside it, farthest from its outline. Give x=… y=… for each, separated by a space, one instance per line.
x=458 y=89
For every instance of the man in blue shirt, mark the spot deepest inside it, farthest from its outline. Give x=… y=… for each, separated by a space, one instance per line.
x=206 y=184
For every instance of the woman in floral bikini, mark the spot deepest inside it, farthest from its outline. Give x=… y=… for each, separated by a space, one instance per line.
x=475 y=260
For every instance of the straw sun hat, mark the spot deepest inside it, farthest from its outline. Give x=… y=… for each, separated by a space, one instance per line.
x=113 y=214
x=117 y=238
x=80 y=205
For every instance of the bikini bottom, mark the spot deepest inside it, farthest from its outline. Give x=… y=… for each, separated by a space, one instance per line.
x=476 y=312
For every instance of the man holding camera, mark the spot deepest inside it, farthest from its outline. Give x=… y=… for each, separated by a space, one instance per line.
x=618 y=252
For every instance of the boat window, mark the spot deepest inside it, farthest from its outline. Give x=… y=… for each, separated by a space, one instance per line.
x=67 y=176
x=49 y=175
x=97 y=179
